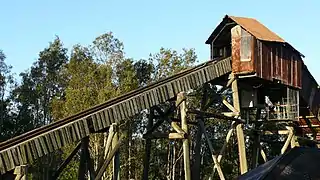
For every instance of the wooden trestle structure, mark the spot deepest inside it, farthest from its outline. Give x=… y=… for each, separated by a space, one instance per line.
x=229 y=67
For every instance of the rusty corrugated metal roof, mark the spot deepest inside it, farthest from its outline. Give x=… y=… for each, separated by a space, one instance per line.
x=257 y=29
x=254 y=27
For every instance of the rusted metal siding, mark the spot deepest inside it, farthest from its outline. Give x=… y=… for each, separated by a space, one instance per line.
x=274 y=61
x=242 y=50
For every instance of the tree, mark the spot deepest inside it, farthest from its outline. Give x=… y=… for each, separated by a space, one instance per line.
x=7 y=126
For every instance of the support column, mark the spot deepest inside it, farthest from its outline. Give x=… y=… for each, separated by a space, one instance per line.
x=184 y=126
x=148 y=147
x=239 y=128
x=116 y=158
x=21 y=172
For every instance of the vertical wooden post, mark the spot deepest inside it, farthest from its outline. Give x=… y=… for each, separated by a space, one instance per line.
x=116 y=158
x=255 y=150
x=197 y=150
x=21 y=172
x=184 y=127
x=83 y=165
x=240 y=135
x=148 y=147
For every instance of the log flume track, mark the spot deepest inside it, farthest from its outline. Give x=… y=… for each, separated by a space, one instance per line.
x=31 y=145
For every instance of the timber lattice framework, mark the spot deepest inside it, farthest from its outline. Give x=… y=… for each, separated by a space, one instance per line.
x=238 y=54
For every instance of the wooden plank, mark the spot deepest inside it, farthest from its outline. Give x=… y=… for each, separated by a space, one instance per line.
x=98 y=119
x=103 y=119
x=15 y=156
x=20 y=159
x=208 y=75
x=170 y=90
x=81 y=129
x=165 y=93
x=43 y=145
x=156 y=96
x=67 y=131
x=23 y=154
x=6 y=161
x=146 y=101
x=76 y=128
x=38 y=147
x=132 y=109
x=2 y=168
x=58 y=139
x=11 y=159
x=73 y=133
x=115 y=113
x=49 y=143
x=182 y=85
x=141 y=101
x=33 y=149
x=199 y=75
x=158 y=93
x=86 y=127
x=64 y=138
x=53 y=140
x=121 y=110
x=177 y=83
x=111 y=115
x=150 y=98
x=189 y=79
x=94 y=122
x=135 y=106
x=174 y=88
x=107 y=116
x=124 y=110
x=204 y=77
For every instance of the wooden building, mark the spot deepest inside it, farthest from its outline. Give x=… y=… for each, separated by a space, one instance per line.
x=271 y=63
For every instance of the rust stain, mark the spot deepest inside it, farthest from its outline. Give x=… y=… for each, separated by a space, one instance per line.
x=239 y=63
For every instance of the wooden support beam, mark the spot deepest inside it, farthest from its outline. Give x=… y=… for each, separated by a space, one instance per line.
x=226 y=103
x=215 y=115
x=229 y=134
x=177 y=128
x=230 y=114
x=66 y=161
x=214 y=157
x=263 y=154
x=146 y=160
x=161 y=135
x=288 y=141
x=276 y=132
x=184 y=125
x=109 y=159
x=116 y=158
x=240 y=135
x=242 y=149
x=83 y=165
x=255 y=150
x=21 y=172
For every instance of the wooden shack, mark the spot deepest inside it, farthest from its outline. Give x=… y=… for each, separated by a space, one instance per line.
x=267 y=59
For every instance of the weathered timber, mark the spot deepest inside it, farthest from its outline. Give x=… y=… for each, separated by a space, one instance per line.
x=184 y=126
x=21 y=172
x=109 y=159
x=240 y=135
x=214 y=157
x=66 y=161
x=146 y=159
x=142 y=98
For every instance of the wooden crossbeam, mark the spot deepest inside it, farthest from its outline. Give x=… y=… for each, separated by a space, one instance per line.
x=214 y=157
x=109 y=159
x=66 y=161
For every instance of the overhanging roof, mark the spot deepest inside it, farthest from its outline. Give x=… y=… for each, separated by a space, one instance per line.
x=254 y=27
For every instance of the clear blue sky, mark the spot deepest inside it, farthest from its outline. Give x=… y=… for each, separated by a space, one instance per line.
x=145 y=26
